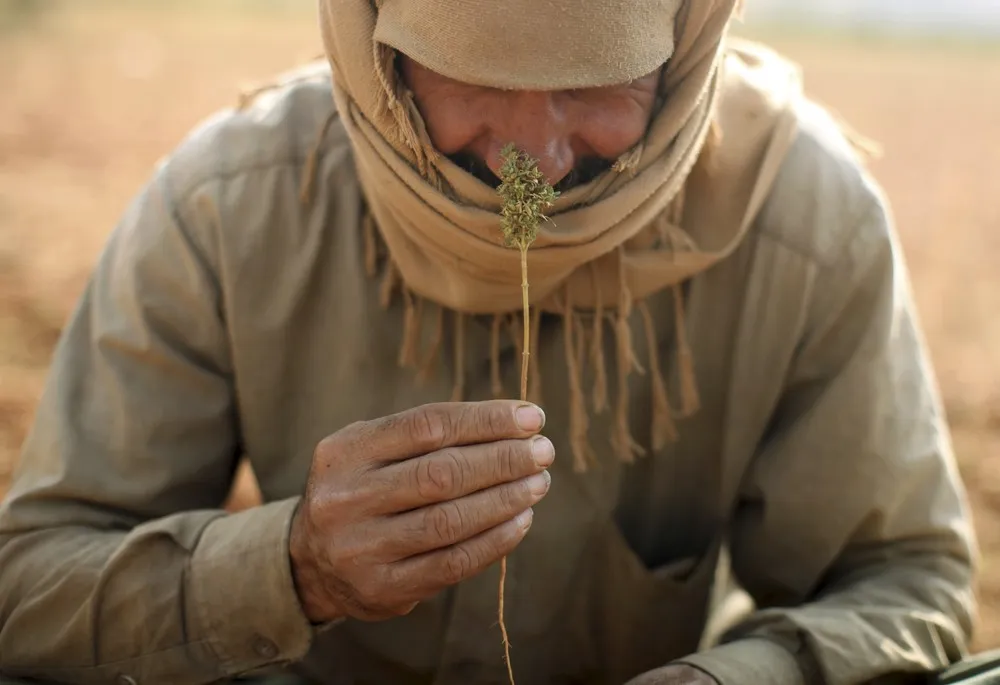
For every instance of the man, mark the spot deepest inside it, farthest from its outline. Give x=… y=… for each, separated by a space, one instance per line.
x=754 y=483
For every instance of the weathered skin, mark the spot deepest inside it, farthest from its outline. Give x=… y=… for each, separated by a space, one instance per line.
x=399 y=508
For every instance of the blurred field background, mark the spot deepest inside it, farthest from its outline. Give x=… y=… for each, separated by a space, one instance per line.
x=93 y=93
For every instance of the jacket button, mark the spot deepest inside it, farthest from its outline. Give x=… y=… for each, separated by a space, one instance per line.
x=263 y=648
x=125 y=680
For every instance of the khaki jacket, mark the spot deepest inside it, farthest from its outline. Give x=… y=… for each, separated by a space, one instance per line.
x=816 y=487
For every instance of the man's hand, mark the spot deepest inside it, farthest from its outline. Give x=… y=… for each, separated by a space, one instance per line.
x=679 y=674
x=399 y=508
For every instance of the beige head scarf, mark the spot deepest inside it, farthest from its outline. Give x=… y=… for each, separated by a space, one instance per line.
x=646 y=225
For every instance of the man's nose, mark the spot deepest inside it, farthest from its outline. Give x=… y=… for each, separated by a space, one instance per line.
x=537 y=124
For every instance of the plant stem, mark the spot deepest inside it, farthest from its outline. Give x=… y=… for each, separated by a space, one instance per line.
x=525 y=359
x=503 y=626
x=526 y=353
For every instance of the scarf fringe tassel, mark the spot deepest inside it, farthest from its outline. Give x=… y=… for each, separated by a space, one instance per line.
x=664 y=427
x=578 y=350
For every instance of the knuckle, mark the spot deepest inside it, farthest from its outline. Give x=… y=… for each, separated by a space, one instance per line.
x=491 y=420
x=326 y=445
x=444 y=522
x=458 y=468
x=427 y=427
x=438 y=478
x=349 y=441
x=458 y=564
x=354 y=427
x=510 y=458
x=469 y=472
x=329 y=447
x=475 y=420
x=353 y=432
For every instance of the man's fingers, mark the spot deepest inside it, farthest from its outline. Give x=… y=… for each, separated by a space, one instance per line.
x=449 y=523
x=433 y=427
x=425 y=575
x=455 y=472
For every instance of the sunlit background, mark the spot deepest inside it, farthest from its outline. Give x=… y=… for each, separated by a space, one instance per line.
x=92 y=92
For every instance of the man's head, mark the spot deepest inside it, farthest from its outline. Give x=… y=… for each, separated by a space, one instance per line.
x=581 y=85
x=575 y=134
x=572 y=83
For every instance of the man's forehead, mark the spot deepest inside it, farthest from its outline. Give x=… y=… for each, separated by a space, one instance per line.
x=532 y=44
x=409 y=66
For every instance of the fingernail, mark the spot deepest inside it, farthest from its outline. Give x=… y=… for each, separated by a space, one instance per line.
x=539 y=483
x=525 y=518
x=543 y=451
x=529 y=418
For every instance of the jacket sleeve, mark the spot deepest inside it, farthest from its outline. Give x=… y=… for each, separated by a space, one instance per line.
x=852 y=532
x=116 y=559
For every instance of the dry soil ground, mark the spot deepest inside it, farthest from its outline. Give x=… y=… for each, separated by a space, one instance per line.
x=90 y=98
